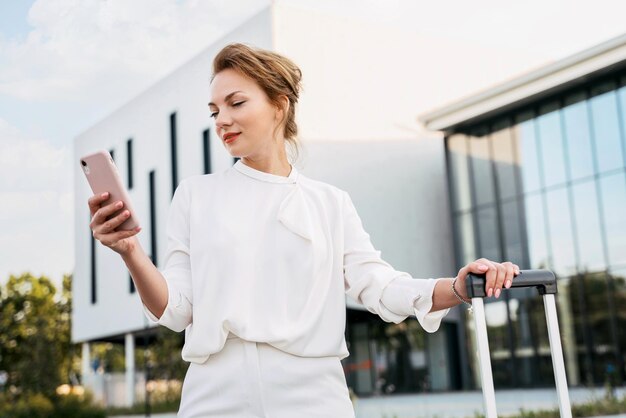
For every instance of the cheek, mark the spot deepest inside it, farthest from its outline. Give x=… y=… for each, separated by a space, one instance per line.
x=258 y=120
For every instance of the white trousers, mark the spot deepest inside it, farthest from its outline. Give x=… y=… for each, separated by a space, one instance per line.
x=247 y=379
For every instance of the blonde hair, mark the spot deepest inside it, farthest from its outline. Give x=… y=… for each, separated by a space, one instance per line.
x=276 y=74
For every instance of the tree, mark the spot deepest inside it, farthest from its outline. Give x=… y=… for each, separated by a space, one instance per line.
x=35 y=344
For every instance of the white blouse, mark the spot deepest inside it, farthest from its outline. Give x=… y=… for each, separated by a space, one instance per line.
x=269 y=259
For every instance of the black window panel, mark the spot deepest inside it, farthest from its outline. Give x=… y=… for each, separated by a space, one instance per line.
x=173 y=151
x=153 y=228
x=129 y=162
x=206 y=148
x=92 y=240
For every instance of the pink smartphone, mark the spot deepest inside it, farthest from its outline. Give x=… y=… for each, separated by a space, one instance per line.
x=102 y=175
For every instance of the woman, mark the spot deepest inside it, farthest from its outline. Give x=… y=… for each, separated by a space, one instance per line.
x=259 y=258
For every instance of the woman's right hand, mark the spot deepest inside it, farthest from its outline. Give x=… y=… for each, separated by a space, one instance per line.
x=103 y=224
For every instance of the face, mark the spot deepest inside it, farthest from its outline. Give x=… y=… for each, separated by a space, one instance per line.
x=239 y=106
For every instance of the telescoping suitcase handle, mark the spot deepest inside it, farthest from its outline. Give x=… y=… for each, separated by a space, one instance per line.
x=545 y=282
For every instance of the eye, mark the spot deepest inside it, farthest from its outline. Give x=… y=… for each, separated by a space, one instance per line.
x=213 y=114
x=238 y=103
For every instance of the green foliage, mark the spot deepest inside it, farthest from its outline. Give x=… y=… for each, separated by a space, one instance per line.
x=39 y=406
x=35 y=346
x=163 y=355
x=140 y=408
x=75 y=406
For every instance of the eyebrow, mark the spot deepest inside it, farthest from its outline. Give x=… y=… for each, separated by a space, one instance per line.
x=228 y=96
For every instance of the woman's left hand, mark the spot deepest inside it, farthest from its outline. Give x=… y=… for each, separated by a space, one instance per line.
x=497 y=275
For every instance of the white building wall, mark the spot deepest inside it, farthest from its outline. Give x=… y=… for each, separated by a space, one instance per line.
x=399 y=189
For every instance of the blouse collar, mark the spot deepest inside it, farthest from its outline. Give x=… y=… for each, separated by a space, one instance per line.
x=267 y=177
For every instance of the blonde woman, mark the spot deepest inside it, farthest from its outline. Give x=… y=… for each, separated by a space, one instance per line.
x=259 y=260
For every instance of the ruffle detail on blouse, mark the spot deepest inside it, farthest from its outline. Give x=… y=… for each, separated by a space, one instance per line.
x=295 y=215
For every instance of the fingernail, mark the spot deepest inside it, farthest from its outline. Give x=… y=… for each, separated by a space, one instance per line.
x=104 y=194
x=118 y=205
x=508 y=284
x=490 y=292
x=497 y=293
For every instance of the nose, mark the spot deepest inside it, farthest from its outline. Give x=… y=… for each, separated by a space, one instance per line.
x=222 y=119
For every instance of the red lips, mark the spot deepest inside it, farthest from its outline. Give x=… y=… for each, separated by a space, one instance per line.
x=231 y=136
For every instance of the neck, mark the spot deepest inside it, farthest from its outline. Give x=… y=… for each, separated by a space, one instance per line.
x=276 y=165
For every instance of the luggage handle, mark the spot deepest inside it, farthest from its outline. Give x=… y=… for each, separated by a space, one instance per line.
x=545 y=282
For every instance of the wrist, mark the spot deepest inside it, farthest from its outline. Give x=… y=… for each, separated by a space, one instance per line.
x=460 y=292
x=133 y=248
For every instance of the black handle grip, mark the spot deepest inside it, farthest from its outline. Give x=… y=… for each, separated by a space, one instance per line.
x=543 y=280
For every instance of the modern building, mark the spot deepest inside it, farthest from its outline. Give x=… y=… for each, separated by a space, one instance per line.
x=537 y=175
x=532 y=171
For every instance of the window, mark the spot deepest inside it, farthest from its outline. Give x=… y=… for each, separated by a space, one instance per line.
x=129 y=162
x=93 y=265
x=173 y=151
x=206 y=147
x=153 y=230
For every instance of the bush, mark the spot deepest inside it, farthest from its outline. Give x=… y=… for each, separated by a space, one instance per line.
x=39 y=406
x=29 y=406
x=76 y=406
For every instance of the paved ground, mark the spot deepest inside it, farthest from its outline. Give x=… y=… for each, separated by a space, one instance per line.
x=464 y=404
x=460 y=404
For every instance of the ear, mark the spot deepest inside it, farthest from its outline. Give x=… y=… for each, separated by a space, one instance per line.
x=283 y=108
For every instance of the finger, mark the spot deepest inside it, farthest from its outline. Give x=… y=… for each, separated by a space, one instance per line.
x=110 y=225
x=500 y=278
x=512 y=270
x=477 y=267
x=490 y=276
x=107 y=212
x=95 y=201
x=473 y=267
x=120 y=235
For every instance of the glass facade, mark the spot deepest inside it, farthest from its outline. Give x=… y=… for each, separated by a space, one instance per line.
x=545 y=187
x=387 y=358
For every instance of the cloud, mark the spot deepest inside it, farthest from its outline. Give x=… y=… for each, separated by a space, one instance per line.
x=37 y=210
x=93 y=53
x=86 y=49
x=30 y=164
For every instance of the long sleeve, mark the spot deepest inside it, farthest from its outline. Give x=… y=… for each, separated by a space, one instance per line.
x=374 y=283
x=177 y=267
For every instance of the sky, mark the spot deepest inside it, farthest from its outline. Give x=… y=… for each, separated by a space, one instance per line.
x=67 y=64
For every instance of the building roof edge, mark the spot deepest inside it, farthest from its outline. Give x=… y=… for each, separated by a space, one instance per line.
x=548 y=77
